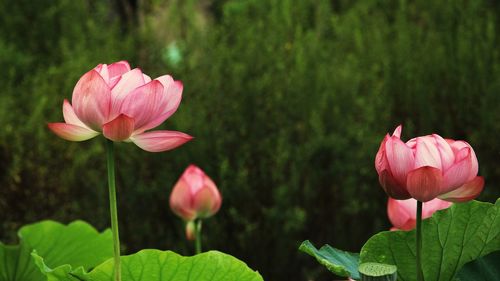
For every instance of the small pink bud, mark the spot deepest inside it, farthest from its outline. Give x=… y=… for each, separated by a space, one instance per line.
x=195 y=195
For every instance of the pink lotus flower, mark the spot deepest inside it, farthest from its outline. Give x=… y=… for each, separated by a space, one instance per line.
x=122 y=104
x=402 y=213
x=195 y=195
x=428 y=167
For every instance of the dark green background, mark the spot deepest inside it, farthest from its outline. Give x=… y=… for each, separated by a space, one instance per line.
x=288 y=102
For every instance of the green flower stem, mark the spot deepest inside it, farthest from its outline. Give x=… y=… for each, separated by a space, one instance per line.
x=198 y=236
x=110 y=153
x=420 y=275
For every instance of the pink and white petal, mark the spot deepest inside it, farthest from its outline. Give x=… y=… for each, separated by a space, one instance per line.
x=459 y=173
x=424 y=183
x=70 y=116
x=412 y=143
x=474 y=165
x=426 y=153
x=174 y=97
x=127 y=83
x=72 y=132
x=91 y=100
x=165 y=80
x=392 y=187
x=112 y=82
x=171 y=100
x=147 y=79
x=193 y=176
x=118 y=69
x=400 y=158
x=380 y=159
x=157 y=141
x=397 y=131
x=467 y=192
x=103 y=71
x=207 y=201
x=144 y=103
x=409 y=225
x=445 y=152
x=430 y=207
x=401 y=211
x=459 y=148
x=119 y=129
x=181 y=201
x=457 y=145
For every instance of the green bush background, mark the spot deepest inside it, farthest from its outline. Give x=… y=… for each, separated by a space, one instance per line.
x=288 y=102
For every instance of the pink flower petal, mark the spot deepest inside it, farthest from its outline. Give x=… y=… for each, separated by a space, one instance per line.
x=424 y=183
x=400 y=212
x=457 y=146
x=70 y=116
x=128 y=82
x=430 y=207
x=380 y=159
x=426 y=153
x=119 y=129
x=391 y=187
x=459 y=173
x=147 y=79
x=207 y=200
x=172 y=95
x=194 y=176
x=165 y=80
x=144 y=104
x=103 y=71
x=157 y=141
x=180 y=201
x=397 y=131
x=118 y=69
x=400 y=158
x=91 y=100
x=467 y=192
x=445 y=152
x=72 y=132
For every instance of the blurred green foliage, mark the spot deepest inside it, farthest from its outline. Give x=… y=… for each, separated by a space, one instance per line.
x=288 y=102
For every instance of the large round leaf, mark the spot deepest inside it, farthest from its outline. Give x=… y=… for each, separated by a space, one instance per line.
x=451 y=238
x=155 y=265
x=78 y=244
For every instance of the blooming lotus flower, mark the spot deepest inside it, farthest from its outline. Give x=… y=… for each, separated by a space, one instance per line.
x=122 y=104
x=195 y=195
x=428 y=167
x=402 y=213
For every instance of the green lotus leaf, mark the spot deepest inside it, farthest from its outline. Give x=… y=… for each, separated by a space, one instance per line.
x=76 y=245
x=341 y=263
x=155 y=265
x=451 y=238
x=483 y=269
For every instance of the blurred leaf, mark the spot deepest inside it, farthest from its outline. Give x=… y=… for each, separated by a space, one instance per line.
x=482 y=269
x=341 y=263
x=77 y=245
x=451 y=238
x=150 y=265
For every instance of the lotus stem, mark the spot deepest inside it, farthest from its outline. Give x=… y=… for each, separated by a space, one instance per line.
x=110 y=153
x=198 y=236
x=420 y=275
